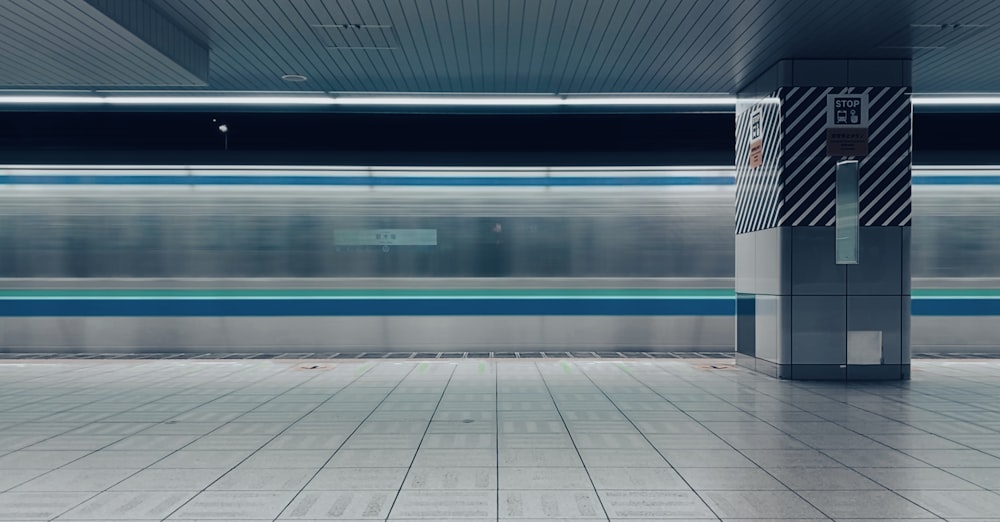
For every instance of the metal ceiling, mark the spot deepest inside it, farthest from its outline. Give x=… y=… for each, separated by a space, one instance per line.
x=477 y=46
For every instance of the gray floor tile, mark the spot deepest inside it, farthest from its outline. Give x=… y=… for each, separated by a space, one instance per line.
x=960 y=458
x=979 y=441
x=463 y=426
x=182 y=428
x=917 y=441
x=252 y=428
x=171 y=479
x=188 y=459
x=247 y=478
x=956 y=504
x=469 y=478
x=383 y=441
x=875 y=458
x=539 y=504
x=908 y=438
x=863 y=504
x=521 y=458
x=524 y=427
x=988 y=478
x=11 y=478
x=698 y=458
x=76 y=442
x=152 y=442
x=639 y=458
x=27 y=459
x=445 y=458
x=635 y=479
x=229 y=442
x=544 y=478
x=536 y=441
x=793 y=458
x=392 y=427
x=729 y=479
x=837 y=441
x=444 y=505
x=108 y=459
x=601 y=427
x=759 y=504
x=478 y=416
x=655 y=505
x=664 y=427
x=387 y=458
x=618 y=441
x=38 y=506
x=346 y=479
x=831 y=479
x=111 y=428
x=16 y=442
x=742 y=441
x=459 y=440
x=76 y=480
x=687 y=442
x=265 y=459
x=118 y=505
x=234 y=505
x=917 y=478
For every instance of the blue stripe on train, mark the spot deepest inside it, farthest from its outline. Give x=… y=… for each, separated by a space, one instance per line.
x=359 y=307
x=426 y=307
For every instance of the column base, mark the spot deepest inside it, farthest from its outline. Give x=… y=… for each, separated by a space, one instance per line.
x=826 y=372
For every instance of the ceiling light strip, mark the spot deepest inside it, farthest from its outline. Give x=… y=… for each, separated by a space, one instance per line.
x=417 y=100
x=370 y=100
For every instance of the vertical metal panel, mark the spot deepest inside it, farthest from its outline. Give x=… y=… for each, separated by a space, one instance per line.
x=847 y=237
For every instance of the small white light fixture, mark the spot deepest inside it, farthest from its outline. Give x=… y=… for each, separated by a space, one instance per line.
x=294 y=77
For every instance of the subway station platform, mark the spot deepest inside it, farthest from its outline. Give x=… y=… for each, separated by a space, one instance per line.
x=554 y=438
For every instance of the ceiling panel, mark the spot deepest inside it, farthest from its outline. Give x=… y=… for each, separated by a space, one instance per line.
x=71 y=43
x=503 y=46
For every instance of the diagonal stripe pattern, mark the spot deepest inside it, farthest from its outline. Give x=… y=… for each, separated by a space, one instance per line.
x=796 y=185
x=758 y=190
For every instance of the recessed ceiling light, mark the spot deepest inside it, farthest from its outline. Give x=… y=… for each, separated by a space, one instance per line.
x=294 y=77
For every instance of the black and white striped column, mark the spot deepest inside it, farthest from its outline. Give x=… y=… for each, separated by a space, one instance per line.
x=800 y=315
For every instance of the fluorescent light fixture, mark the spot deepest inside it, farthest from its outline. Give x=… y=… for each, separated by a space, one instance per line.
x=321 y=99
x=445 y=101
x=217 y=100
x=941 y=100
x=134 y=98
x=42 y=99
x=653 y=100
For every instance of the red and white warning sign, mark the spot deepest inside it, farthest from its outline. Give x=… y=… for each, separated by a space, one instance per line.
x=756 y=138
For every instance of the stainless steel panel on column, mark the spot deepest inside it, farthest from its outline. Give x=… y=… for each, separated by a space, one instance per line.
x=819 y=335
x=878 y=313
x=880 y=270
x=814 y=271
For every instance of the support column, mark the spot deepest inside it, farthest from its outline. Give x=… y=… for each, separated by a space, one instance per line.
x=801 y=314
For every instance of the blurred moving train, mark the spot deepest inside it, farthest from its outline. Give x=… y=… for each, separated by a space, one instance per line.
x=301 y=259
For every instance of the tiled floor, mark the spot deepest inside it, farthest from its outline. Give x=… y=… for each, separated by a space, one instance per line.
x=500 y=439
